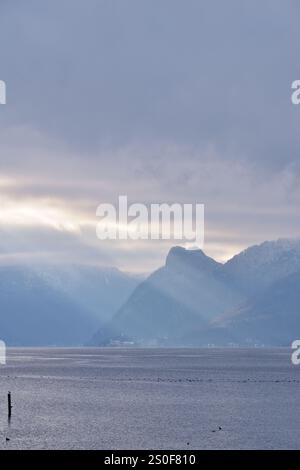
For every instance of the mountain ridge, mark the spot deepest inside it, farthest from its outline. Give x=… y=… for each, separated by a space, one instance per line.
x=54 y=305
x=192 y=294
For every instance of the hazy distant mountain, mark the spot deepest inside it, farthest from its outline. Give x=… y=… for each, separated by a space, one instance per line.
x=54 y=305
x=187 y=293
x=273 y=318
x=195 y=301
x=191 y=301
x=100 y=291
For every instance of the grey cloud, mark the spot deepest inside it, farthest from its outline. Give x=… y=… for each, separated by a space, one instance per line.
x=161 y=100
x=101 y=73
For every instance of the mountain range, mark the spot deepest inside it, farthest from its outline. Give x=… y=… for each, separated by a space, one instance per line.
x=251 y=300
x=53 y=305
x=192 y=301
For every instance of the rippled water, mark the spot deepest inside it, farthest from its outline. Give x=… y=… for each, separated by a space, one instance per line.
x=159 y=399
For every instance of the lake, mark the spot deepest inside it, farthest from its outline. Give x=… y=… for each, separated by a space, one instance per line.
x=115 y=398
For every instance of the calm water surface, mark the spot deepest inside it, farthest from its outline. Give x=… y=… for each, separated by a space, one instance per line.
x=150 y=399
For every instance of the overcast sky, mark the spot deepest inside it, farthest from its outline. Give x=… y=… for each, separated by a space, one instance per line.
x=161 y=100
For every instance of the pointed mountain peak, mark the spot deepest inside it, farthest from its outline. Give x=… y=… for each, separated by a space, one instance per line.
x=179 y=257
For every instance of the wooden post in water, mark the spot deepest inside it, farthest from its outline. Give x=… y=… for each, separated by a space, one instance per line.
x=9 y=404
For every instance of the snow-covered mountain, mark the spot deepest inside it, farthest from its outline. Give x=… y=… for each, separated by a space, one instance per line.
x=56 y=305
x=259 y=266
x=191 y=301
x=195 y=301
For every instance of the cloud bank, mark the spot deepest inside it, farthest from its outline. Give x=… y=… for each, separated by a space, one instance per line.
x=165 y=101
